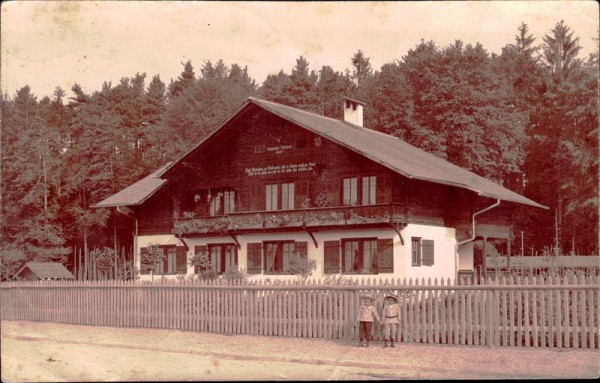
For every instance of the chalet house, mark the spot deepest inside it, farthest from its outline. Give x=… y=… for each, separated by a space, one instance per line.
x=273 y=181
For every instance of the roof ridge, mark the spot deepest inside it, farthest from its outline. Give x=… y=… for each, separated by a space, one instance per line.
x=300 y=110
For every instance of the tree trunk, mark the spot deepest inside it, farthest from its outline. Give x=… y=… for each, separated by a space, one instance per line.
x=45 y=183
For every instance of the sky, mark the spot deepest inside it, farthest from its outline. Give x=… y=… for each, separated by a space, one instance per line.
x=45 y=44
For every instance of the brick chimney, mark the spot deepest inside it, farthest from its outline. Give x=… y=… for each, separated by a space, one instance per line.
x=353 y=111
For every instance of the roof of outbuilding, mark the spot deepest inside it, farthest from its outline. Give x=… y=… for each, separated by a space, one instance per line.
x=137 y=193
x=389 y=151
x=45 y=270
x=394 y=153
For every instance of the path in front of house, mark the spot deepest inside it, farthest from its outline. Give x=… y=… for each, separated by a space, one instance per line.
x=36 y=351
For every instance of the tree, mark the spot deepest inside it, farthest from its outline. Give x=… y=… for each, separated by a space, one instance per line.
x=153 y=258
x=272 y=88
x=301 y=91
x=331 y=89
x=184 y=81
x=203 y=106
x=462 y=110
x=202 y=264
x=391 y=103
x=562 y=149
x=560 y=51
x=361 y=68
x=31 y=166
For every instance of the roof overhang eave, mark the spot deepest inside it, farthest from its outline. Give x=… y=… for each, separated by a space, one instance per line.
x=137 y=203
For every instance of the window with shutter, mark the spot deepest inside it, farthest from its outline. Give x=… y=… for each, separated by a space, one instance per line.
x=181 y=262
x=385 y=255
x=427 y=252
x=332 y=257
x=415 y=250
x=359 y=256
x=254 y=258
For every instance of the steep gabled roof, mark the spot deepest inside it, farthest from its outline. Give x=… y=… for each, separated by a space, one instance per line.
x=384 y=149
x=45 y=270
x=394 y=153
x=137 y=193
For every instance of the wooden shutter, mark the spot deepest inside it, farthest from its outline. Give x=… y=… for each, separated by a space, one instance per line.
x=427 y=252
x=331 y=257
x=254 y=258
x=180 y=260
x=301 y=248
x=385 y=255
x=144 y=269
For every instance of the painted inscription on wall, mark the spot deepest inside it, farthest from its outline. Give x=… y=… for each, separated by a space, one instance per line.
x=280 y=169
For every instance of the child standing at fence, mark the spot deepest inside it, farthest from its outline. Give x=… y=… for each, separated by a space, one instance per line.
x=366 y=314
x=391 y=319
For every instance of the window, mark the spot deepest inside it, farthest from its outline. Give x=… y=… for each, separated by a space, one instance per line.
x=416 y=251
x=287 y=196
x=359 y=256
x=288 y=193
x=215 y=205
x=171 y=260
x=277 y=256
x=222 y=202
x=369 y=189
x=229 y=202
x=350 y=191
x=271 y=197
x=422 y=252
x=174 y=260
x=223 y=257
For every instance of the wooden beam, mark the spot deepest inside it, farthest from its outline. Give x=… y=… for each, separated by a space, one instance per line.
x=312 y=236
x=398 y=227
x=235 y=240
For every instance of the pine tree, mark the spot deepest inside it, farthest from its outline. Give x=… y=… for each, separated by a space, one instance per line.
x=331 y=88
x=301 y=91
x=562 y=149
x=184 y=81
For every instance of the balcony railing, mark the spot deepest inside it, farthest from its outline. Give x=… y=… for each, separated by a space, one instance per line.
x=311 y=218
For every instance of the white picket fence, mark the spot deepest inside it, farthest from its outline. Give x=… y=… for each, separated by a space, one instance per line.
x=524 y=312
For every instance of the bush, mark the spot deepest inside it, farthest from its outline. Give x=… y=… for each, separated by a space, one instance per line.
x=202 y=264
x=301 y=266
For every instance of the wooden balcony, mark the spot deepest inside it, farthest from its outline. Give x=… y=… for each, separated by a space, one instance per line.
x=341 y=216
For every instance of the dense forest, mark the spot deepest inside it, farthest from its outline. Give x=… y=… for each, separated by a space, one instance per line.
x=526 y=118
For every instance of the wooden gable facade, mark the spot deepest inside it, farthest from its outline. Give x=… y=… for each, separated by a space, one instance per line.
x=263 y=167
x=264 y=187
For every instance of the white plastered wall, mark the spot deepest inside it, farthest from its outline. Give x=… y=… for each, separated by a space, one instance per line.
x=465 y=256
x=444 y=250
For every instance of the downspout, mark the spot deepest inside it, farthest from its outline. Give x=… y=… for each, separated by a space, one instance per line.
x=473 y=235
x=135 y=235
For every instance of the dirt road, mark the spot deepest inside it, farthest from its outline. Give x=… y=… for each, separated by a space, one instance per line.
x=34 y=351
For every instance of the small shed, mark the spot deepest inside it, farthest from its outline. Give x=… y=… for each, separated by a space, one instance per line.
x=35 y=271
